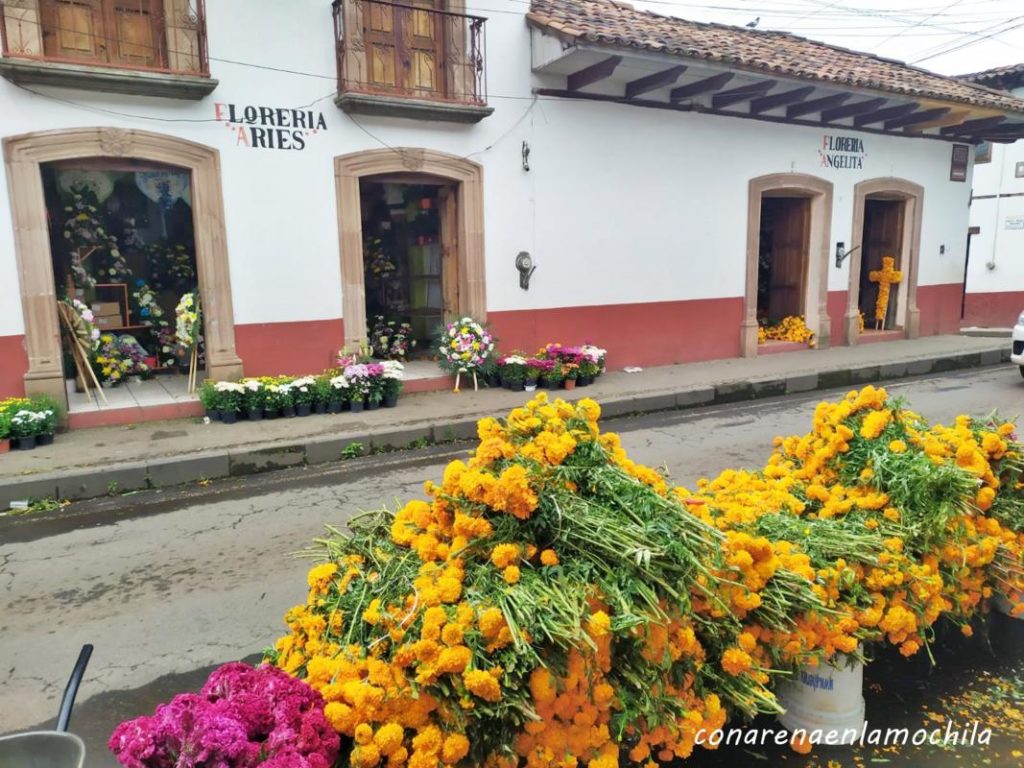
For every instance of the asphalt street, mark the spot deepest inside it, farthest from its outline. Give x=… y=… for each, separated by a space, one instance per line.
x=167 y=585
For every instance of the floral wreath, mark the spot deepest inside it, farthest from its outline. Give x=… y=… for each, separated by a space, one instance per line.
x=82 y=324
x=464 y=346
x=187 y=313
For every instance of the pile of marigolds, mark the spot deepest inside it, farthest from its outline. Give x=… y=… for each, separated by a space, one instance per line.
x=556 y=604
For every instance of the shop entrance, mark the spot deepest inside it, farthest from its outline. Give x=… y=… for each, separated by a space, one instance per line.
x=883 y=236
x=122 y=245
x=409 y=264
x=784 y=243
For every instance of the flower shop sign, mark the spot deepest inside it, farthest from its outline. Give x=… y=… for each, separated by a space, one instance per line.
x=270 y=127
x=841 y=151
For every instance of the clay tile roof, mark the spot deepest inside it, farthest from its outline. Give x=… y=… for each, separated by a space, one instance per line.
x=617 y=23
x=1010 y=76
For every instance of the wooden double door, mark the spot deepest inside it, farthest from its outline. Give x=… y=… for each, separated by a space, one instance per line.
x=883 y=236
x=783 y=255
x=124 y=33
x=405 y=47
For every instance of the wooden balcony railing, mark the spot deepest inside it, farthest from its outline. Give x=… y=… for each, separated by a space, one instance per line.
x=412 y=50
x=153 y=35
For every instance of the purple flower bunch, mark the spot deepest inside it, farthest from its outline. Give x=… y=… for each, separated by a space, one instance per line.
x=364 y=377
x=243 y=717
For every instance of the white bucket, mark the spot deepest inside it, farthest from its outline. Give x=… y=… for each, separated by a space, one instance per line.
x=825 y=702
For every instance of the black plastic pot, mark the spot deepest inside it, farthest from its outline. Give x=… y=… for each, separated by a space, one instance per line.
x=335 y=406
x=44 y=439
x=213 y=414
x=320 y=408
x=288 y=411
x=390 y=402
x=584 y=381
x=271 y=413
x=543 y=383
x=229 y=417
x=372 y=405
x=23 y=443
x=356 y=406
x=303 y=409
x=493 y=380
x=255 y=414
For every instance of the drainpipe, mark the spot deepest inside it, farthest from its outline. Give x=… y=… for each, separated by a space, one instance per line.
x=991 y=263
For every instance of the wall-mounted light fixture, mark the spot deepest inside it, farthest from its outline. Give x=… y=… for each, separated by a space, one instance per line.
x=842 y=253
x=524 y=263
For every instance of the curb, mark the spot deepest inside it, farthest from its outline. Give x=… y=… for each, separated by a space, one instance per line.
x=167 y=472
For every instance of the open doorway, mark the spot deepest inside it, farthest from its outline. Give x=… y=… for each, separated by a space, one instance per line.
x=784 y=242
x=883 y=236
x=408 y=262
x=122 y=245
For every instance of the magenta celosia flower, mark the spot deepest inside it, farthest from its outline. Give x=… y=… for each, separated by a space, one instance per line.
x=244 y=717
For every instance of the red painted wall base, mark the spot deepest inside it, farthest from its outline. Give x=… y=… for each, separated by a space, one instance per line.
x=993 y=310
x=293 y=349
x=13 y=366
x=940 y=308
x=117 y=416
x=659 y=333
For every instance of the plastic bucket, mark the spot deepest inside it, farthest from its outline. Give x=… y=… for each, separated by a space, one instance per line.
x=828 y=699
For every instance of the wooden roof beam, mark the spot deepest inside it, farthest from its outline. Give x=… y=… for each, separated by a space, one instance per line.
x=707 y=85
x=973 y=126
x=742 y=93
x=916 y=118
x=592 y=74
x=880 y=115
x=653 y=82
x=849 y=110
x=817 y=105
x=765 y=103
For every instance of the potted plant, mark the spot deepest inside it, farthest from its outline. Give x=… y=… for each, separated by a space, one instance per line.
x=532 y=371
x=208 y=396
x=5 y=431
x=304 y=394
x=25 y=425
x=358 y=376
x=321 y=393
x=229 y=399
x=285 y=397
x=492 y=376
x=588 y=370
x=571 y=372
x=375 y=386
x=555 y=374
x=513 y=371
x=254 y=399
x=392 y=382
x=47 y=408
x=340 y=393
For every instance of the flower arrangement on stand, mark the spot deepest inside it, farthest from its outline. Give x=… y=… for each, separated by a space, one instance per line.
x=82 y=324
x=391 y=340
x=243 y=717
x=89 y=241
x=791 y=328
x=463 y=347
x=188 y=332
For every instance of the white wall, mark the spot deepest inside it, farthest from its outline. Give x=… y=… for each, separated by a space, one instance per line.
x=997 y=251
x=622 y=204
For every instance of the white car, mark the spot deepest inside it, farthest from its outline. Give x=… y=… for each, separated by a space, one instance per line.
x=1017 y=353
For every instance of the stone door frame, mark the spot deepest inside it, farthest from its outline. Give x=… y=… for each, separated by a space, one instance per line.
x=819 y=191
x=465 y=176
x=912 y=195
x=24 y=156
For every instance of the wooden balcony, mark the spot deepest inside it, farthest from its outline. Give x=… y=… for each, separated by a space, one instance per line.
x=143 y=47
x=417 y=59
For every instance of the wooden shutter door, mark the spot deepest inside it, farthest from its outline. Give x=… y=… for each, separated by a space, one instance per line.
x=424 y=37
x=883 y=236
x=73 y=29
x=789 y=257
x=136 y=28
x=380 y=39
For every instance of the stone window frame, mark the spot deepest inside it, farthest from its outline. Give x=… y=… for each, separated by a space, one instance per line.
x=24 y=156
x=820 y=193
x=432 y=165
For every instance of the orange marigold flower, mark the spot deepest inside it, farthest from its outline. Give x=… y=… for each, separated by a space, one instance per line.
x=456 y=747
x=736 y=661
x=511 y=574
x=504 y=555
x=363 y=734
x=482 y=685
x=548 y=557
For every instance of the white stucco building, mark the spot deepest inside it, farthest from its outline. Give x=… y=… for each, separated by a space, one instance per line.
x=673 y=182
x=995 y=265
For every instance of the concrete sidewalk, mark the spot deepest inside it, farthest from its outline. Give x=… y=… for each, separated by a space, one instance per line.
x=94 y=462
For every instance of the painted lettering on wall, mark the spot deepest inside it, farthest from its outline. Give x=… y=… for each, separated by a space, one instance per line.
x=841 y=151
x=270 y=127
